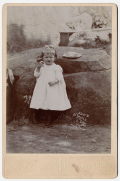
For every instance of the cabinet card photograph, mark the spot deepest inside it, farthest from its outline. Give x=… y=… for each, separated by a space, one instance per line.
x=60 y=91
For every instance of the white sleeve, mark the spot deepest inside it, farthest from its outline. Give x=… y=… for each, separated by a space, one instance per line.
x=37 y=74
x=59 y=75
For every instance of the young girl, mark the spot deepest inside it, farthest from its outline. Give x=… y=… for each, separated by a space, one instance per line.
x=50 y=89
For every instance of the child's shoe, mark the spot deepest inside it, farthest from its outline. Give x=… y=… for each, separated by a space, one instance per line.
x=34 y=120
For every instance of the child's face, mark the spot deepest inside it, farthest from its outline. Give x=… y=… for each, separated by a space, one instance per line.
x=48 y=58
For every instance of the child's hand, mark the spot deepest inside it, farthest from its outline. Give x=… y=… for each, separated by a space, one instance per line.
x=39 y=66
x=51 y=83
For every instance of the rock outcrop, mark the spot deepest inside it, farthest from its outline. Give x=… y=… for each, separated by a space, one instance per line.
x=88 y=81
x=82 y=22
x=91 y=38
x=90 y=93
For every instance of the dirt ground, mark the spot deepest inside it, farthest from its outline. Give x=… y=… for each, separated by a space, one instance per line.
x=65 y=138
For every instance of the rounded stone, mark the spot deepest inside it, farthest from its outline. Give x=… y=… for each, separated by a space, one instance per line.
x=88 y=81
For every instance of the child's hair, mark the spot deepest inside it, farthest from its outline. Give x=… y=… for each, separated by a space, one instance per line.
x=47 y=47
x=42 y=54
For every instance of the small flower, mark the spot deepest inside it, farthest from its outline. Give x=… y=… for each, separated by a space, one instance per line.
x=74 y=115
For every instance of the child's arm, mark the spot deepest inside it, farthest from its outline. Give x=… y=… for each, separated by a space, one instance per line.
x=37 y=72
x=59 y=77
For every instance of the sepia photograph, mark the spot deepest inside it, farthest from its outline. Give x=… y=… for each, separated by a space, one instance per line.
x=60 y=90
x=58 y=79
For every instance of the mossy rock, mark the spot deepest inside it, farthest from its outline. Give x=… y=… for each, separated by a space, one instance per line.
x=87 y=80
x=90 y=93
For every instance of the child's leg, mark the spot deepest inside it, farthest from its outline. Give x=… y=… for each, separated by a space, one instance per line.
x=48 y=121
x=52 y=115
x=42 y=113
x=56 y=114
x=36 y=112
x=33 y=115
x=31 y=112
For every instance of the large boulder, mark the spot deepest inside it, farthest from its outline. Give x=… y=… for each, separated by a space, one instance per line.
x=91 y=38
x=82 y=22
x=91 y=60
x=90 y=93
x=101 y=15
x=87 y=80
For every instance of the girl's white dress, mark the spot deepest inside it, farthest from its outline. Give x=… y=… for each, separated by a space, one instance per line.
x=46 y=96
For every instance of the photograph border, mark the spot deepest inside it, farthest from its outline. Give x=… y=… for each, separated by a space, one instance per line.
x=62 y=165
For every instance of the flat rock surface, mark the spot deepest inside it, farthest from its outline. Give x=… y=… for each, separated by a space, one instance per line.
x=91 y=60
